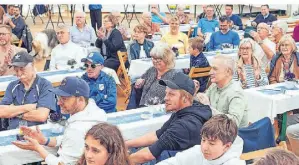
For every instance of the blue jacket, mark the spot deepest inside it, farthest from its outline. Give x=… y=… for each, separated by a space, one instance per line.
x=260 y=18
x=134 y=49
x=103 y=91
x=237 y=21
x=95 y=7
x=200 y=61
x=274 y=60
x=20 y=25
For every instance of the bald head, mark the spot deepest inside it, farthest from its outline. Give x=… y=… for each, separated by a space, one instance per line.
x=147 y=17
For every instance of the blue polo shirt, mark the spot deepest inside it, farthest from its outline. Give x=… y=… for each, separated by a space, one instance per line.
x=218 y=39
x=39 y=93
x=208 y=25
x=157 y=19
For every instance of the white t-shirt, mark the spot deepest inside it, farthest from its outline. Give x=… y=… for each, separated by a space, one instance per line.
x=142 y=53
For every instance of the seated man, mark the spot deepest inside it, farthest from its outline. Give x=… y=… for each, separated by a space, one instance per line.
x=225 y=38
x=28 y=98
x=175 y=38
x=7 y=50
x=73 y=99
x=279 y=29
x=265 y=16
x=238 y=25
x=17 y=23
x=225 y=95
x=102 y=86
x=140 y=47
x=67 y=54
x=266 y=48
x=182 y=130
x=207 y=24
x=198 y=60
x=152 y=28
x=157 y=16
x=184 y=18
x=220 y=145
x=81 y=33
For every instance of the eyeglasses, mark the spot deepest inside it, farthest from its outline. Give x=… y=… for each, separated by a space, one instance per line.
x=4 y=34
x=245 y=48
x=91 y=65
x=156 y=59
x=62 y=33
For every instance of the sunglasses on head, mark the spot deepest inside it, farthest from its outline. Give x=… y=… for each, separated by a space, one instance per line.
x=92 y=66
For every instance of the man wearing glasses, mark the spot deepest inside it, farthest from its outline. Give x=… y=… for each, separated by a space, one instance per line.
x=102 y=86
x=27 y=99
x=7 y=50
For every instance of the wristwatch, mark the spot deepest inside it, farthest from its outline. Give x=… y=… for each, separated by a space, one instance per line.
x=260 y=42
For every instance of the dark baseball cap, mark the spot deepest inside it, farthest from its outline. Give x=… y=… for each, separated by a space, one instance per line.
x=72 y=86
x=94 y=57
x=180 y=81
x=21 y=59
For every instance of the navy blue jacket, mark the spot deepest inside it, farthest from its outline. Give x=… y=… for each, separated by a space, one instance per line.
x=103 y=91
x=20 y=25
x=237 y=21
x=134 y=49
x=182 y=130
x=200 y=61
x=260 y=18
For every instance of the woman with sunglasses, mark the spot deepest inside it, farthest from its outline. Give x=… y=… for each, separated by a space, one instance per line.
x=110 y=41
x=102 y=86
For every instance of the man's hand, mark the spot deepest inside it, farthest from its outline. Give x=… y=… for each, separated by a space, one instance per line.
x=34 y=134
x=101 y=33
x=139 y=83
x=197 y=86
x=253 y=23
x=203 y=98
x=29 y=144
x=255 y=36
x=29 y=107
x=155 y=11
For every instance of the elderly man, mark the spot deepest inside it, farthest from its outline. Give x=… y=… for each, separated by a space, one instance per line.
x=157 y=16
x=17 y=23
x=279 y=29
x=225 y=38
x=207 y=24
x=7 y=50
x=81 y=33
x=102 y=86
x=67 y=54
x=225 y=96
x=152 y=28
x=184 y=18
x=73 y=99
x=238 y=25
x=28 y=98
x=265 y=49
x=175 y=38
x=265 y=16
x=182 y=130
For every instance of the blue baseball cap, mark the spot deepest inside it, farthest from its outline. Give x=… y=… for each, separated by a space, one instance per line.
x=94 y=57
x=72 y=86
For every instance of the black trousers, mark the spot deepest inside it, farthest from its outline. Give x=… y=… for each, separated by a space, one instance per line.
x=96 y=19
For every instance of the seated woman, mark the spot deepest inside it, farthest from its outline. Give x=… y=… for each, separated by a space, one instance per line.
x=104 y=144
x=175 y=38
x=163 y=64
x=184 y=18
x=249 y=71
x=110 y=41
x=140 y=47
x=285 y=64
x=123 y=30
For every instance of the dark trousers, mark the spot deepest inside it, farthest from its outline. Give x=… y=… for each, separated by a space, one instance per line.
x=96 y=19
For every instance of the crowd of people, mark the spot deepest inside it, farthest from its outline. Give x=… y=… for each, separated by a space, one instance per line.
x=206 y=112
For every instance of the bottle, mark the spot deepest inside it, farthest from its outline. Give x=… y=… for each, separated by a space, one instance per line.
x=20 y=135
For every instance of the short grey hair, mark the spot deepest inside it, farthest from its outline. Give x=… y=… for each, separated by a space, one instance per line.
x=163 y=51
x=80 y=12
x=228 y=62
x=63 y=27
x=146 y=13
x=248 y=40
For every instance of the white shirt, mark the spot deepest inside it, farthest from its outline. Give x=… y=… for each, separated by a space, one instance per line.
x=71 y=143
x=61 y=54
x=260 y=54
x=142 y=53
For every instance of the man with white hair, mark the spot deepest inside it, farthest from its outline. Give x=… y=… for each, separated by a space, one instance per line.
x=152 y=28
x=66 y=55
x=279 y=28
x=266 y=49
x=225 y=96
x=184 y=18
x=81 y=33
x=157 y=16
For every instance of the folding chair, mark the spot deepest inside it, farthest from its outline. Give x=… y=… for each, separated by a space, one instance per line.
x=123 y=76
x=199 y=72
x=18 y=43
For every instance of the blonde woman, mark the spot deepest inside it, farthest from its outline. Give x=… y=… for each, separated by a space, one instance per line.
x=249 y=71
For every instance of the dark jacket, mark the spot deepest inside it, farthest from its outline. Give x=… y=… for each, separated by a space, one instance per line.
x=103 y=91
x=200 y=61
x=27 y=38
x=20 y=25
x=134 y=49
x=260 y=18
x=182 y=130
x=274 y=60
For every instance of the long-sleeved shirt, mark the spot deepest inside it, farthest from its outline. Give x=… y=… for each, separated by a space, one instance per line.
x=218 y=39
x=83 y=38
x=268 y=19
x=61 y=54
x=103 y=91
x=251 y=81
x=20 y=25
x=229 y=100
x=237 y=21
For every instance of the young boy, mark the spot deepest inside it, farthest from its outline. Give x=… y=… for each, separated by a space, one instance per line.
x=198 y=60
x=220 y=145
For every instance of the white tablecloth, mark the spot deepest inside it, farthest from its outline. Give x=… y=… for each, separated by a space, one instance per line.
x=264 y=105
x=11 y=155
x=139 y=66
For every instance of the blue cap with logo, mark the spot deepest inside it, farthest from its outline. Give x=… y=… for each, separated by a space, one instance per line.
x=72 y=86
x=94 y=57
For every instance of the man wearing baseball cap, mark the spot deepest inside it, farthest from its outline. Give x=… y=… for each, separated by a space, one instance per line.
x=102 y=86
x=73 y=98
x=26 y=99
x=181 y=131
